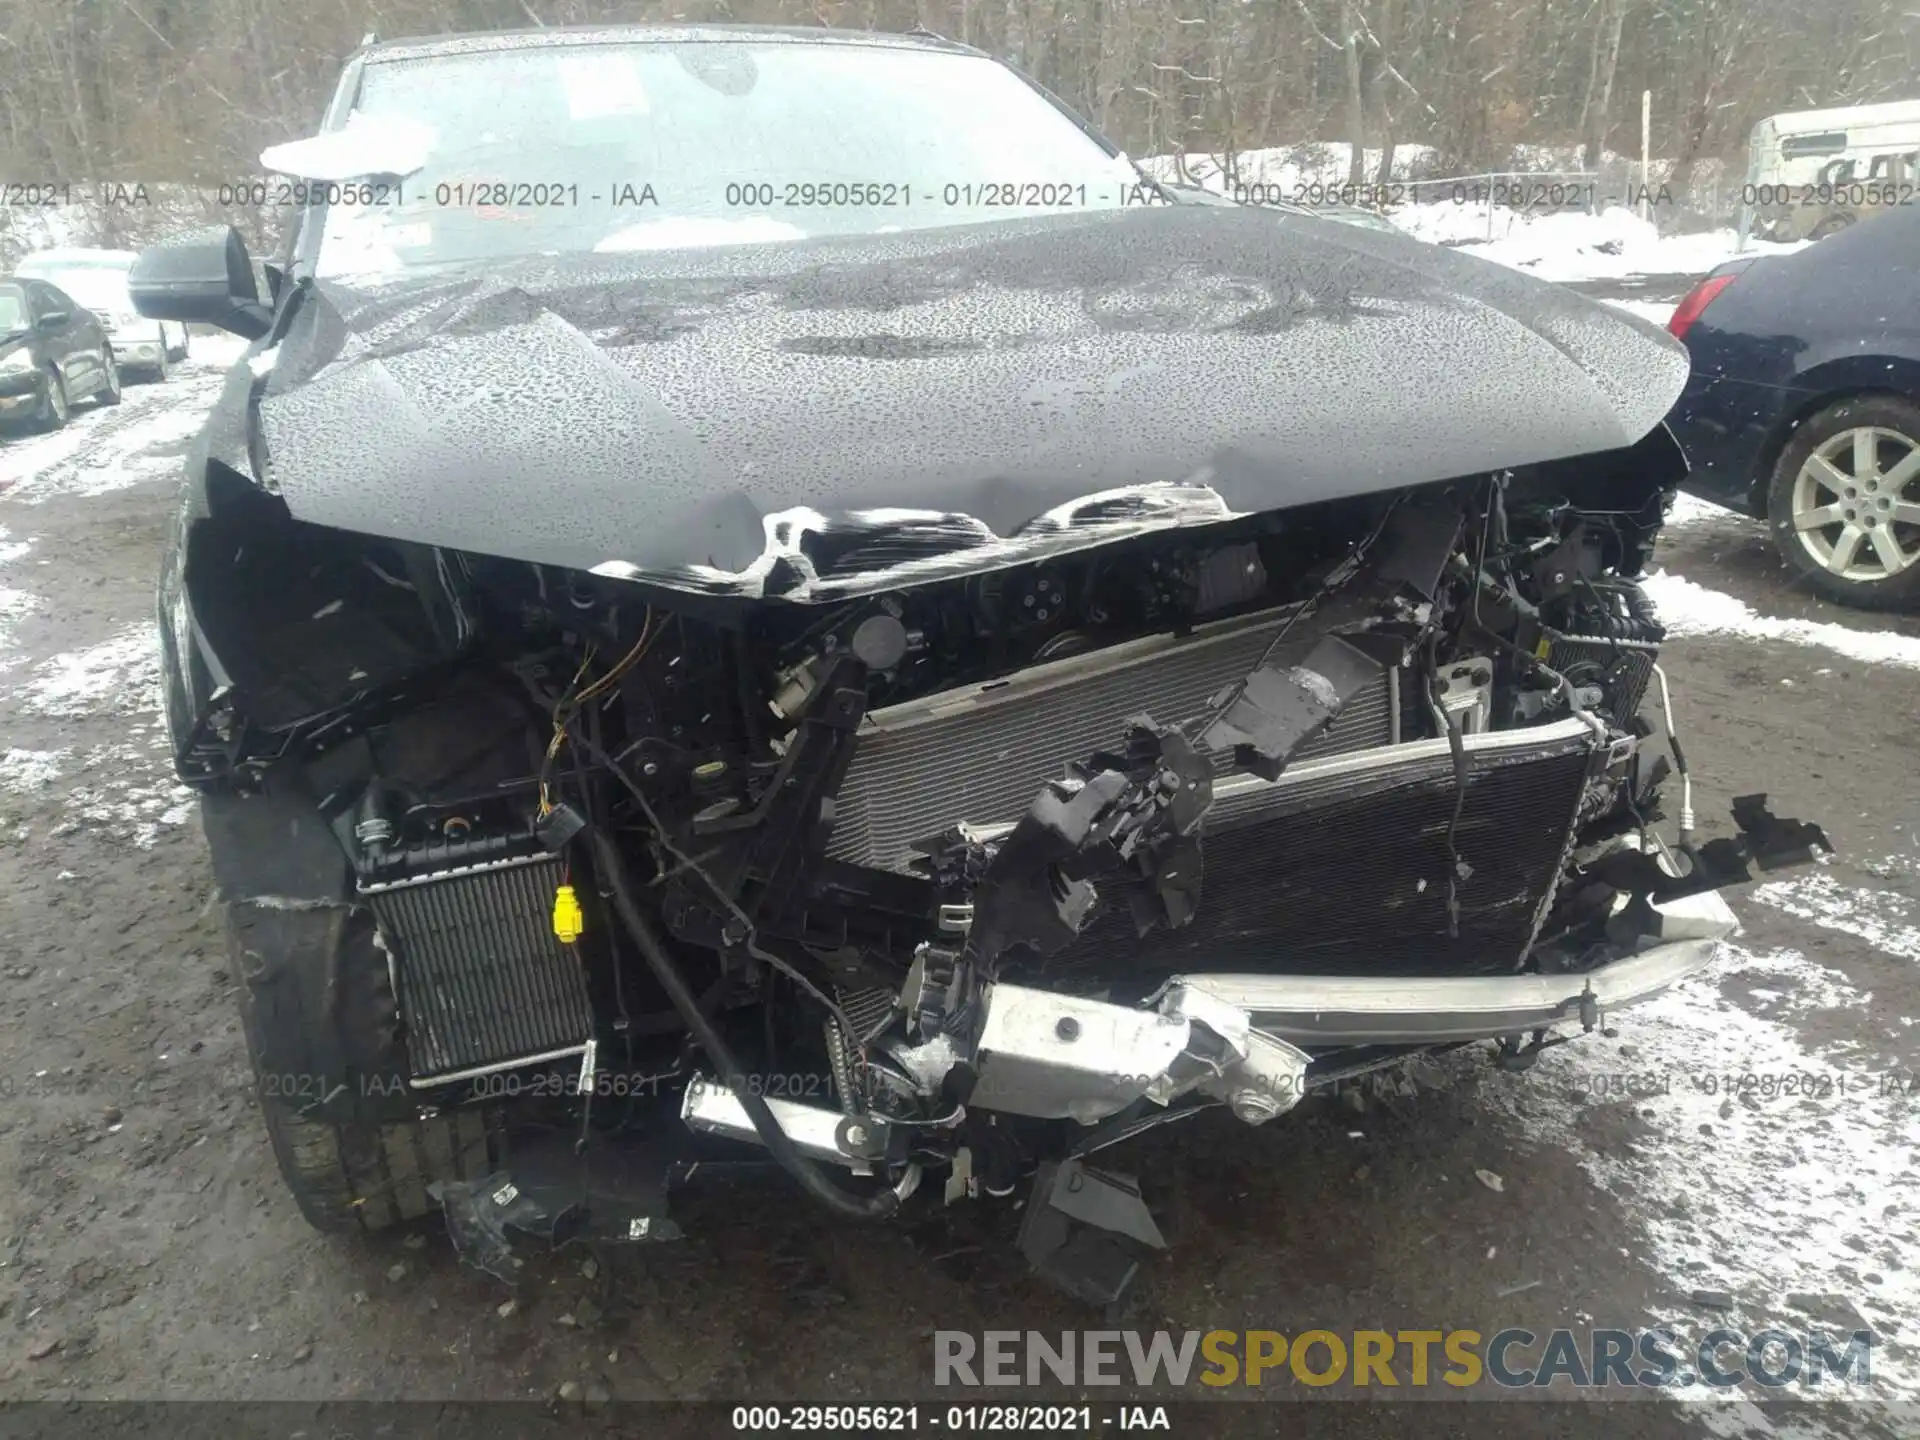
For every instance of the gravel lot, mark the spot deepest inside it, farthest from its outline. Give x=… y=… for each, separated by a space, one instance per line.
x=147 y=1248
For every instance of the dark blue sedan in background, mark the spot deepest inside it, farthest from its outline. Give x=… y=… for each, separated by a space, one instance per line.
x=1804 y=404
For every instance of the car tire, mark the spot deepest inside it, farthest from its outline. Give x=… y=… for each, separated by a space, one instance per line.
x=1851 y=536
x=53 y=402
x=362 y=1178
x=323 y=1036
x=1831 y=225
x=109 y=392
x=185 y=345
x=160 y=367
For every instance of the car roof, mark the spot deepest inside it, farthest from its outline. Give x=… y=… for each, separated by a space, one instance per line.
x=428 y=47
x=1840 y=117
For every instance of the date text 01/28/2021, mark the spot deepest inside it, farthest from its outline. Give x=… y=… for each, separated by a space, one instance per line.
x=955 y=1419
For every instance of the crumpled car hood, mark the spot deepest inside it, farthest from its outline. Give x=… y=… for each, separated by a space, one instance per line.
x=938 y=401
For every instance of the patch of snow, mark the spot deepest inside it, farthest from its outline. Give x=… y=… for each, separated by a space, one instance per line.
x=1760 y=1191
x=1690 y=609
x=119 y=676
x=105 y=450
x=1288 y=170
x=1891 y=867
x=1558 y=244
x=1572 y=244
x=127 y=793
x=218 y=353
x=15 y=606
x=365 y=145
x=1654 y=312
x=1879 y=917
x=1692 y=510
x=25 y=770
x=291 y=902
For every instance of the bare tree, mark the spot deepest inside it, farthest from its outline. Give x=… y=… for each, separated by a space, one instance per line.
x=1604 y=58
x=191 y=90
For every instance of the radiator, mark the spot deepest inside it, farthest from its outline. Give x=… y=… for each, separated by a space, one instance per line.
x=481 y=981
x=1622 y=667
x=981 y=753
x=1340 y=866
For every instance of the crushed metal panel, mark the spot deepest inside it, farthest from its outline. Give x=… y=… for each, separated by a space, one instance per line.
x=1040 y=323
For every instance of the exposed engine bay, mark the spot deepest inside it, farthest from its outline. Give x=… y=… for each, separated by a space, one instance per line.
x=974 y=879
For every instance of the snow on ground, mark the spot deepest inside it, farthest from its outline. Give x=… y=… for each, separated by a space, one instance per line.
x=15 y=605
x=1692 y=510
x=122 y=791
x=1558 y=244
x=121 y=214
x=1885 y=920
x=1690 y=609
x=1286 y=167
x=1573 y=245
x=1781 y=1199
x=24 y=770
x=1778 y=1192
x=1654 y=312
x=102 y=450
x=127 y=792
x=119 y=676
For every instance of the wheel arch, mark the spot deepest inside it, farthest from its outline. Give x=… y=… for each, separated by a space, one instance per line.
x=1853 y=378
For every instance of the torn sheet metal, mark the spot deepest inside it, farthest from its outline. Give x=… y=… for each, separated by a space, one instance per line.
x=1063 y=1057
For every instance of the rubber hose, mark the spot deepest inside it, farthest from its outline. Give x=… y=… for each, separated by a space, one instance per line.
x=877 y=1206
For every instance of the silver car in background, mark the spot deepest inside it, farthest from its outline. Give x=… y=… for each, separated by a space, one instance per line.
x=98 y=280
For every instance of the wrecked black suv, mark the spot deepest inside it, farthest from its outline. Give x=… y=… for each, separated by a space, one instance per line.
x=767 y=595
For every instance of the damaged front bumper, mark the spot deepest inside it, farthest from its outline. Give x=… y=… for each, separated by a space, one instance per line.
x=1246 y=1040
x=1383 y=1010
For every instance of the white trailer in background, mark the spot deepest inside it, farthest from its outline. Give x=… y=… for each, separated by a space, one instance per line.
x=1812 y=172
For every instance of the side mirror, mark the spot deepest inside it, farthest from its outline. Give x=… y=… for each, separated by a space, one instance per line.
x=54 y=319
x=205 y=278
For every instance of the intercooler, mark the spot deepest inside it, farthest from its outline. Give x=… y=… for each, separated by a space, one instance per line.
x=481 y=980
x=981 y=753
x=1356 y=865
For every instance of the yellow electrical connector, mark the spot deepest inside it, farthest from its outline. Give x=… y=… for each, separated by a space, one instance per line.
x=568 y=922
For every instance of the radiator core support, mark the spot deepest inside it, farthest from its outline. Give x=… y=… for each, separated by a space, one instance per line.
x=482 y=983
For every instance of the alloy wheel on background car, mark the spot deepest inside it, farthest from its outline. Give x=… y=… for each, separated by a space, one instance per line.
x=1856 y=504
x=1844 y=501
